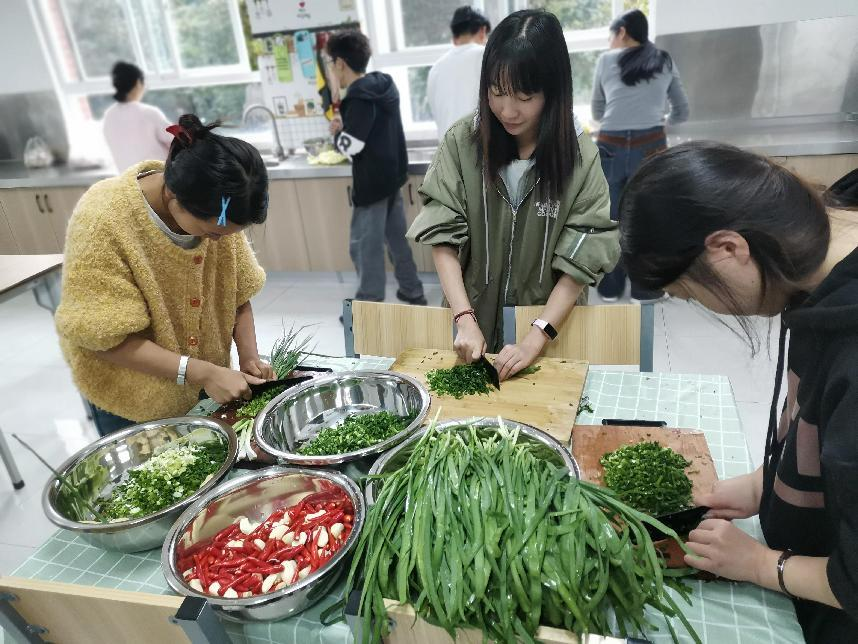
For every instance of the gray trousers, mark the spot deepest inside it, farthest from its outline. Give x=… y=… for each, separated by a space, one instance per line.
x=372 y=226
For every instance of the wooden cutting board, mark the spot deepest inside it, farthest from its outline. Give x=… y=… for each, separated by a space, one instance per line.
x=591 y=442
x=547 y=399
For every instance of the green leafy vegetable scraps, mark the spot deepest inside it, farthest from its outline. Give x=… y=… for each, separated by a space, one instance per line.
x=459 y=381
x=648 y=477
x=166 y=478
x=358 y=431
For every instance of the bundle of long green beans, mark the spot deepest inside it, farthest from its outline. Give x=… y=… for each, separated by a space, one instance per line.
x=476 y=530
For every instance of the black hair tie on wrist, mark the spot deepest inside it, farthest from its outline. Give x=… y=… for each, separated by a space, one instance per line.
x=786 y=554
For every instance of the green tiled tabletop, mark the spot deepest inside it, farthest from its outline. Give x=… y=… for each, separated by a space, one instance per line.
x=722 y=612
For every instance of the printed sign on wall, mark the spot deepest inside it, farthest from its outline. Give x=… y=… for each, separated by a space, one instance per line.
x=268 y=16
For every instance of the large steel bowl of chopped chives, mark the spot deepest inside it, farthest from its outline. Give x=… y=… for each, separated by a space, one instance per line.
x=124 y=491
x=341 y=418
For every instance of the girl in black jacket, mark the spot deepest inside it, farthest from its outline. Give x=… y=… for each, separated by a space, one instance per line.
x=741 y=235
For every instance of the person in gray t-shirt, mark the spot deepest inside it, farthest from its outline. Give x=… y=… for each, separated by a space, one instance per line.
x=636 y=89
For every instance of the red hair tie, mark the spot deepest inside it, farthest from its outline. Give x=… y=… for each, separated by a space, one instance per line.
x=180 y=133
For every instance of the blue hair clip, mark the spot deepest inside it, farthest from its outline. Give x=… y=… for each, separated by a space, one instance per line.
x=224 y=204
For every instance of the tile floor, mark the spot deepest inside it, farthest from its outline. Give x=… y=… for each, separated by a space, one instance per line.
x=39 y=401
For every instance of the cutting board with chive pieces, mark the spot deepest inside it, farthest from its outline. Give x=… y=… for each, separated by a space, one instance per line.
x=591 y=442
x=547 y=399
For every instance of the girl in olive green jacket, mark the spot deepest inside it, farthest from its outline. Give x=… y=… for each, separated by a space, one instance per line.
x=516 y=207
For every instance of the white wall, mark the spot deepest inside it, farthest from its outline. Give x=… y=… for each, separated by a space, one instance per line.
x=680 y=16
x=23 y=67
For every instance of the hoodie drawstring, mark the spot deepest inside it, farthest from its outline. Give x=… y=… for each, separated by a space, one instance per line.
x=774 y=421
x=544 y=248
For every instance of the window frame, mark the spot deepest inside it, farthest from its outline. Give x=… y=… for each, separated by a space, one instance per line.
x=385 y=31
x=156 y=79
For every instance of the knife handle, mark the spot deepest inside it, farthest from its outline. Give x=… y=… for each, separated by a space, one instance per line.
x=633 y=422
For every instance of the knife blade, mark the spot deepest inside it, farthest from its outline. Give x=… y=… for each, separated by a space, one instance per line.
x=682 y=521
x=272 y=384
x=494 y=377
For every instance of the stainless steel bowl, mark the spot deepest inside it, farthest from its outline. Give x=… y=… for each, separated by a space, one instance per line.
x=97 y=468
x=300 y=413
x=397 y=457
x=256 y=495
x=317 y=145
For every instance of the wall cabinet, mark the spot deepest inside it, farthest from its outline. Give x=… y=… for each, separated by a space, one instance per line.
x=8 y=245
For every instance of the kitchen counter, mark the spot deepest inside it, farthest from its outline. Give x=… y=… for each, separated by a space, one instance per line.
x=15 y=175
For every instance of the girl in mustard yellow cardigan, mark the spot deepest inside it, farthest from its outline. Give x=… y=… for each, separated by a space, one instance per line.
x=158 y=278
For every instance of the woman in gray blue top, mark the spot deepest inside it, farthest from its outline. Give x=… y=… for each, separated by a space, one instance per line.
x=634 y=84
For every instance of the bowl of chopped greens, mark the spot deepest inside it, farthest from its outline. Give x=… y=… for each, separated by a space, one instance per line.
x=341 y=418
x=124 y=491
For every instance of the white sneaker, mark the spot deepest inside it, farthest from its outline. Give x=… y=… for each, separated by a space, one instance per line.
x=652 y=300
x=609 y=300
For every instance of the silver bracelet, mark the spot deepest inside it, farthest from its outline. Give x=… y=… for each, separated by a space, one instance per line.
x=183 y=368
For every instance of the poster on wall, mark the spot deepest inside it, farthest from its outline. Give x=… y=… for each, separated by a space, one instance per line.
x=269 y=16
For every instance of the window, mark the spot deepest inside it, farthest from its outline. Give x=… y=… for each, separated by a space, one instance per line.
x=211 y=102
x=580 y=14
x=418 y=78
x=164 y=39
x=408 y=36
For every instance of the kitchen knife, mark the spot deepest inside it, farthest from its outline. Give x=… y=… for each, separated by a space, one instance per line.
x=490 y=369
x=589 y=638
x=683 y=521
x=272 y=384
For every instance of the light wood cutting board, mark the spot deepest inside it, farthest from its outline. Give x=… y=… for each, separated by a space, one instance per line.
x=591 y=442
x=547 y=399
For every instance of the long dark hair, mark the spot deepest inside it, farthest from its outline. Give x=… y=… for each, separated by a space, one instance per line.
x=203 y=168
x=124 y=76
x=644 y=61
x=527 y=54
x=679 y=197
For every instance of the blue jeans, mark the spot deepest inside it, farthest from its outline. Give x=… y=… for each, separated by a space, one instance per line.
x=107 y=423
x=621 y=152
x=372 y=226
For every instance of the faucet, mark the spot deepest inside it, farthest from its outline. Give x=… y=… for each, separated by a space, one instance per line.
x=278 y=147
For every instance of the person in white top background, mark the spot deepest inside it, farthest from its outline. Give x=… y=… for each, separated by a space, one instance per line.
x=134 y=131
x=454 y=81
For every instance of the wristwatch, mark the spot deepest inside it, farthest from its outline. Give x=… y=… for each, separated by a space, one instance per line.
x=545 y=327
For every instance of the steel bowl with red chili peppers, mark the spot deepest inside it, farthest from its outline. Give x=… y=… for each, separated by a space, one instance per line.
x=246 y=558
x=265 y=545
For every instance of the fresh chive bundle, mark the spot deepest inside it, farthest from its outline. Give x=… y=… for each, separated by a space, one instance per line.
x=477 y=531
x=648 y=477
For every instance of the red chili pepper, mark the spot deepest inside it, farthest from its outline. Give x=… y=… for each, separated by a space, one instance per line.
x=238 y=580
x=287 y=554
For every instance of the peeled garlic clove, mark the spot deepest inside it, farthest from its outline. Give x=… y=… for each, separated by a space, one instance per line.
x=300 y=540
x=323 y=538
x=337 y=530
x=269 y=582
x=235 y=543
x=196 y=584
x=280 y=585
x=289 y=570
x=214 y=588
x=288 y=537
x=278 y=532
x=304 y=572
x=259 y=543
x=188 y=573
x=246 y=594
x=245 y=525
x=230 y=593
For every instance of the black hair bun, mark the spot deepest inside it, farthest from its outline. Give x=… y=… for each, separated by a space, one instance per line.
x=195 y=128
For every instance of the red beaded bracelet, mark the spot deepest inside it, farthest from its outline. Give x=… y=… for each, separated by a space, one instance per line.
x=470 y=312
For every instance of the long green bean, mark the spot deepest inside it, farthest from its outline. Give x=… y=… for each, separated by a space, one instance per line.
x=476 y=530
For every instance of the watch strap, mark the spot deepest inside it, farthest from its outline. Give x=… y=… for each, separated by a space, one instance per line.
x=183 y=369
